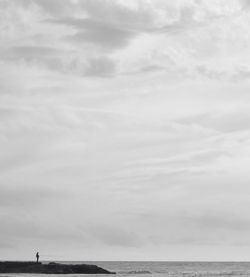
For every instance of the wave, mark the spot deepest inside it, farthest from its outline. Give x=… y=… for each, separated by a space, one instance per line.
x=137 y=272
x=212 y=274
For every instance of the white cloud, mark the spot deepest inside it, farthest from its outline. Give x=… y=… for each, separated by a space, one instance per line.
x=162 y=140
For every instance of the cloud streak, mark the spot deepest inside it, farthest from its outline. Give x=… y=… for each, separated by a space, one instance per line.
x=97 y=32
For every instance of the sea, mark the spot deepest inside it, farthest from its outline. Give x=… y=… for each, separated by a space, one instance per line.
x=161 y=269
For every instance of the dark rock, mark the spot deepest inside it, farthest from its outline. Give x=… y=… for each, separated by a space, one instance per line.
x=51 y=268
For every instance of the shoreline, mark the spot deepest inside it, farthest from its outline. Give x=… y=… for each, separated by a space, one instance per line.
x=50 y=268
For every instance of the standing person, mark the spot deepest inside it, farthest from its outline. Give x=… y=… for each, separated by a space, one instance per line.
x=37 y=257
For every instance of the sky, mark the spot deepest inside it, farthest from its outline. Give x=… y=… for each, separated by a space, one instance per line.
x=125 y=129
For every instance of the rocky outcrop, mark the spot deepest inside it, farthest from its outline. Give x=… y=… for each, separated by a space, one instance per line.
x=51 y=268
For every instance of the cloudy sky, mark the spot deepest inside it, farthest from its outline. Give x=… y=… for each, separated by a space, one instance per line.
x=125 y=129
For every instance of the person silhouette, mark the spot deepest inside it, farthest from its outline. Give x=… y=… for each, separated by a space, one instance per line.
x=37 y=257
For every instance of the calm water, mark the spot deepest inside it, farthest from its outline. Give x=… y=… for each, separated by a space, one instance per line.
x=165 y=269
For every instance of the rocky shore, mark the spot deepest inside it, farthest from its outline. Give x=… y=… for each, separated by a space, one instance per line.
x=51 y=268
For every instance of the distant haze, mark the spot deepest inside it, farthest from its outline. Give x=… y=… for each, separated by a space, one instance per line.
x=125 y=129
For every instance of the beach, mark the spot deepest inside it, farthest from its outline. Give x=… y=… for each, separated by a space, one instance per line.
x=163 y=269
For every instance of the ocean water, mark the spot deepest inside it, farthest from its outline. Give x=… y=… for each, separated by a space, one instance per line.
x=182 y=269
x=162 y=269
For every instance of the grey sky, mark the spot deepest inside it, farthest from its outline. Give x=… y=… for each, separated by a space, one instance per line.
x=124 y=129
